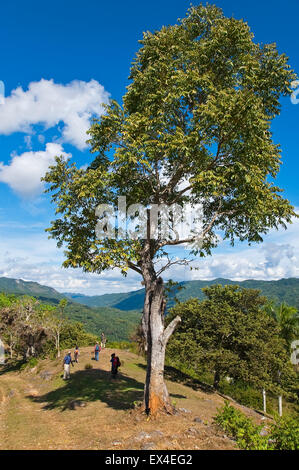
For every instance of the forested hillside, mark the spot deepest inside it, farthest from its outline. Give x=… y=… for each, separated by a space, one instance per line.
x=117 y=324
x=117 y=314
x=283 y=290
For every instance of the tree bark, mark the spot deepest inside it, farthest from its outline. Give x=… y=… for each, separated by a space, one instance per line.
x=58 y=345
x=156 y=396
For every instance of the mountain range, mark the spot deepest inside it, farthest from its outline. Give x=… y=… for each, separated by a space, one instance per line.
x=283 y=290
x=118 y=314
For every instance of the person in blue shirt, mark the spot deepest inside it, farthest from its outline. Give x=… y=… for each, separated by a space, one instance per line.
x=67 y=361
x=97 y=350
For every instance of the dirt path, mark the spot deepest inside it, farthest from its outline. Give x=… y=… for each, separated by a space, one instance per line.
x=38 y=410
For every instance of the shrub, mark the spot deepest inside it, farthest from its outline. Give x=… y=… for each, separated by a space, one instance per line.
x=283 y=435
x=88 y=366
x=30 y=364
x=241 y=428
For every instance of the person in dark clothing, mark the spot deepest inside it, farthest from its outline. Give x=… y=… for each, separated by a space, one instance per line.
x=115 y=363
x=76 y=354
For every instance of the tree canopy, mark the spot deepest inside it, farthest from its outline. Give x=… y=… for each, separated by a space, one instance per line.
x=229 y=334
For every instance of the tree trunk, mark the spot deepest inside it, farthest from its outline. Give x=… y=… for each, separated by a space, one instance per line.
x=264 y=401
x=156 y=397
x=58 y=345
x=216 y=380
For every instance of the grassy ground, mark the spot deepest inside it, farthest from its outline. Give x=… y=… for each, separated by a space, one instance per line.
x=38 y=410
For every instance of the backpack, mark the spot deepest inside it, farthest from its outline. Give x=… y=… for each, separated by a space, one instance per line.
x=97 y=348
x=116 y=361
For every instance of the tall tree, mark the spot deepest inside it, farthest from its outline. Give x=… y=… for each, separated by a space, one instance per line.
x=229 y=333
x=193 y=128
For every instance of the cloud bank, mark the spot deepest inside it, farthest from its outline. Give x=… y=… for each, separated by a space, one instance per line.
x=24 y=172
x=33 y=257
x=48 y=103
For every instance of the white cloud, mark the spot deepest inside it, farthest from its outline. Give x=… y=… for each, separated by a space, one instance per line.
x=24 y=172
x=49 y=103
x=35 y=258
x=26 y=253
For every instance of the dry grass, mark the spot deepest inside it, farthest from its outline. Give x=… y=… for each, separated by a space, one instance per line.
x=93 y=410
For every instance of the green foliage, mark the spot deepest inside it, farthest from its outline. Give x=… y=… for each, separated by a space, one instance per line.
x=88 y=366
x=33 y=361
x=126 y=345
x=73 y=333
x=26 y=323
x=287 y=318
x=230 y=334
x=244 y=394
x=285 y=433
x=283 y=290
x=198 y=108
x=282 y=435
x=116 y=324
x=241 y=428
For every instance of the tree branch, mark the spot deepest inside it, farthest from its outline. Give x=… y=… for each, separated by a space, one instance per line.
x=134 y=267
x=170 y=329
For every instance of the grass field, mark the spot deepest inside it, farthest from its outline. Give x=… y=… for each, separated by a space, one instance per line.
x=38 y=410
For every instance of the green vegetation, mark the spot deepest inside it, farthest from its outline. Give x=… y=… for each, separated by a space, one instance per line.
x=30 y=328
x=230 y=334
x=117 y=324
x=282 y=435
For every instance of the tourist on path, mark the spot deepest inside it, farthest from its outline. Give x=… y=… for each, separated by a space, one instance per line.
x=97 y=350
x=67 y=361
x=103 y=341
x=76 y=354
x=115 y=363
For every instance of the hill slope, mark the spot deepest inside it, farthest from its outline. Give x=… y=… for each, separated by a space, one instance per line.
x=20 y=287
x=283 y=290
x=117 y=324
x=40 y=411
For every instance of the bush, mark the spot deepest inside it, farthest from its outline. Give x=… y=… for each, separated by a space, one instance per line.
x=283 y=435
x=88 y=366
x=30 y=364
x=241 y=428
x=126 y=345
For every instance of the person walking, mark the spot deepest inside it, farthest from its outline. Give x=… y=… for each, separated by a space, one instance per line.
x=97 y=349
x=115 y=363
x=76 y=354
x=67 y=361
x=103 y=341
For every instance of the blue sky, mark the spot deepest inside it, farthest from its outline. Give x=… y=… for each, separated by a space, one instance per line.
x=60 y=60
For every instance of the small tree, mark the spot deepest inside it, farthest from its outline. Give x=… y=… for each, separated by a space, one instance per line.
x=193 y=128
x=22 y=325
x=287 y=318
x=230 y=334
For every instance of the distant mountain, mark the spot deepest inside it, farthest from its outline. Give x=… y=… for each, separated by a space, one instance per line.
x=117 y=314
x=20 y=287
x=123 y=301
x=117 y=324
x=283 y=290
